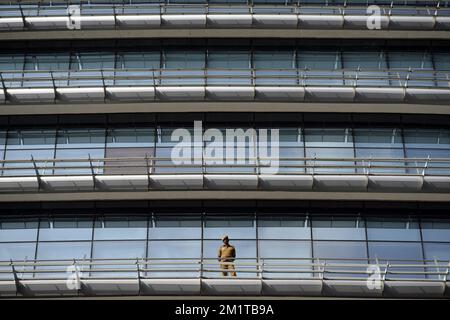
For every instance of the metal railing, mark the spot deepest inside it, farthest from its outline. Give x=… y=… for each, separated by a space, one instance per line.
x=262 y=268
x=391 y=7
x=404 y=78
x=251 y=165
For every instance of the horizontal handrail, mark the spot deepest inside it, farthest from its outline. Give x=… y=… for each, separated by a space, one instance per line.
x=158 y=8
x=261 y=268
x=224 y=77
x=99 y=166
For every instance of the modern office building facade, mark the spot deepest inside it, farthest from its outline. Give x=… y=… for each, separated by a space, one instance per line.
x=318 y=140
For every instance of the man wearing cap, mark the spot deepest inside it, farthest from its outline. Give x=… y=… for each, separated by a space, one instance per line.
x=227 y=254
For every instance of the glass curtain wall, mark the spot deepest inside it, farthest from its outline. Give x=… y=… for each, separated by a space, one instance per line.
x=323 y=143
x=289 y=238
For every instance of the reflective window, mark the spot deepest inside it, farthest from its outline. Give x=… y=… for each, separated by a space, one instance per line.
x=318 y=60
x=283 y=227
x=236 y=227
x=184 y=60
x=228 y=60
x=273 y=60
x=437 y=251
x=339 y=250
x=63 y=250
x=393 y=229
x=338 y=228
x=174 y=249
x=175 y=227
x=393 y=251
x=17 y=251
x=364 y=60
x=282 y=249
x=120 y=228
x=17 y=230
x=65 y=229
x=435 y=230
x=119 y=249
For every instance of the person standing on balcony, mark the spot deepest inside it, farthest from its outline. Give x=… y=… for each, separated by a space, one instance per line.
x=227 y=255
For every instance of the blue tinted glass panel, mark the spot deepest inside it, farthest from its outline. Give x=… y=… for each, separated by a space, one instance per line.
x=234 y=226
x=18 y=230
x=17 y=251
x=393 y=229
x=289 y=227
x=65 y=229
x=437 y=251
x=63 y=250
x=393 y=251
x=338 y=228
x=435 y=230
x=339 y=250
x=119 y=249
x=175 y=227
x=120 y=228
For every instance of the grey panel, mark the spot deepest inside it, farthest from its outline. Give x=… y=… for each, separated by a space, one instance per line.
x=122 y=182
x=350 y=288
x=360 y=22
x=417 y=289
x=96 y=22
x=335 y=94
x=275 y=21
x=239 y=287
x=170 y=286
x=443 y=23
x=380 y=94
x=320 y=21
x=398 y=183
x=416 y=94
x=286 y=182
x=145 y=20
x=81 y=94
x=46 y=288
x=2 y=96
x=131 y=93
x=184 y=20
x=180 y=93
x=181 y=181
x=341 y=182
x=11 y=23
x=20 y=184
x=231 y=181
x=7 y=288
x=230 y=93
x=47 y=22
x=280 y=93
x=292 y=287
x=438 y=184
x=229 y=20
x=411 y=22
x=67 y=183
x=110 y=287
x=24 y=95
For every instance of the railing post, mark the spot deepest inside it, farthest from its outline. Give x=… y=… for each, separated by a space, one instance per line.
x=3 y=84
x=447 y=271
x=38 y=177
x=260 y=267
x=54 y=85
x=425 y=166
x=386 y=271
x=92 y=171
x=16 y=278
x=436 y=263
x=148 y=171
